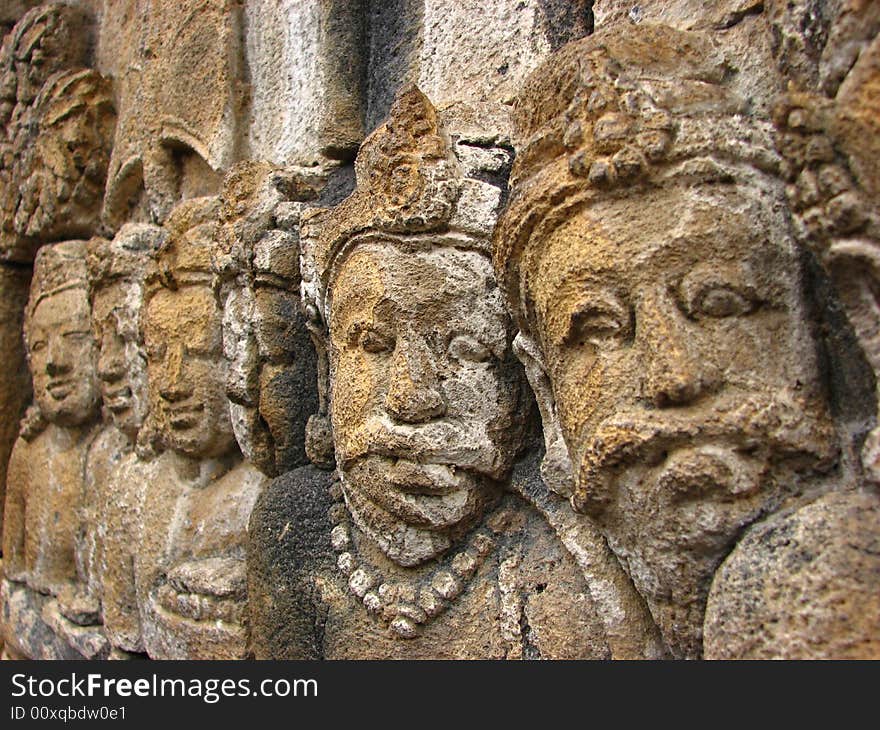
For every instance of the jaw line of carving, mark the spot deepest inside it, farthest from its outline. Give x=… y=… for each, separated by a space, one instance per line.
x=404 y=544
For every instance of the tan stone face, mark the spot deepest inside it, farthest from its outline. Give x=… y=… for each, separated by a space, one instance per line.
x=423 y=393
x=62 y=358
x=121 y=362
x=271 y=377
x=685 y=378
x=287 y=375
x=186 y=370
x=65 y=180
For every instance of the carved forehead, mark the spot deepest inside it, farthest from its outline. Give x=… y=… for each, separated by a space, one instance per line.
x=188 y=312
x=117 y=295
x=414 y=280
x=718 y=223
x=659 y=236
x=65 y=308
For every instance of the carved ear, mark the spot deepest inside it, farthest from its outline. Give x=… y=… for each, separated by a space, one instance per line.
x=556 y=469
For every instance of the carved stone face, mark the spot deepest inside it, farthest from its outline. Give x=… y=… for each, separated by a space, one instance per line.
x=186 y=371
x=63 y=182
x=121 y=363
x=685 y=380
x=423 y=393
x=62 y=358
x=271 y=377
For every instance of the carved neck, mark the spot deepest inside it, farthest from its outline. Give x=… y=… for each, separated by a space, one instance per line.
x=67 y=437
x=203 y=471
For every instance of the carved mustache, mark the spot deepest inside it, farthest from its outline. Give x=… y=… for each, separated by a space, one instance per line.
x=442 y=443
x=782 y=429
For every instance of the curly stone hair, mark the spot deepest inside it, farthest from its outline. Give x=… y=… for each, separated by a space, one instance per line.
x=615 y=114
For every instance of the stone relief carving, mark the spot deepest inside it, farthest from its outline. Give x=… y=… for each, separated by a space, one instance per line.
x=673 y=349
x=280 y=405
x=56 y=122
x=181 y=96
x=46 y=486
x=59 y=123
x=117 y=270
x=189 y=571
x=417 y=549
x=827 y=124
x=271 y=376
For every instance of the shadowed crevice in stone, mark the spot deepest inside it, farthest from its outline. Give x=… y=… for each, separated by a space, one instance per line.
x=394 y=38
x=566 y=20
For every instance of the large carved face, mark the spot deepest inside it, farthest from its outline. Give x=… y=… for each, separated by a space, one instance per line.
x=62 y=355
x=675 y=337
x=271 y=377
x=186 y=370
x=423 y=394
x=121 y=363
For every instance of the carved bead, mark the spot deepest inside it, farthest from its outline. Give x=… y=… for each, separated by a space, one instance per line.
x=446 y=585
x=360 y=582
x=339 y=537
x=345 y=563
x=404 y=628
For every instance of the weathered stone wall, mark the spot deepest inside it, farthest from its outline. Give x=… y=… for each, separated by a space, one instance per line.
x=508 y=329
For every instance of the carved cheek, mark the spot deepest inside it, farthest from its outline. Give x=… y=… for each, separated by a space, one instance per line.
x=359 y=387
x=209 y=390
x=753 y=352
x=83 y=355
x=585 y=384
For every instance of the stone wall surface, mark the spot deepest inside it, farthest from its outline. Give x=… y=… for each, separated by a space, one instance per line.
x=515 y=329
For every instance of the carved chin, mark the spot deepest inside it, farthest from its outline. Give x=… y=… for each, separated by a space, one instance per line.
x=401 y=541
x=403 y=544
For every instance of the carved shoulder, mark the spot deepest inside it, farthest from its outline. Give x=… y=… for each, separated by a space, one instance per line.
x=288 y=544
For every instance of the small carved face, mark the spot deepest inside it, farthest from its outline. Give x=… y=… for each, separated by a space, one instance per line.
x=62 y=182
x=424 y=393
x=186 y=370
x=62 y=355
x=121 y=363
x=271 y=380
x=675 y=336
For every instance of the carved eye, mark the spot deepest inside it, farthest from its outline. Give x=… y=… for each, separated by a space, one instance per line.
x=718 y=291
x=469 y=349
x=38 y=346
x=375 y=342
x=76 y=337
x=719 y=302
x=599 y=322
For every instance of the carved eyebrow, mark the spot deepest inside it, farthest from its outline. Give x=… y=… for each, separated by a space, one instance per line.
x=576 y=295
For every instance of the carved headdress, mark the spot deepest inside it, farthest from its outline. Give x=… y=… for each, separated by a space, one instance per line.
x=57 y=268
x=188 y=255
x=259 y=212
x=125 y=257
x=414 y=183
x=619 y=113
x=47 y=39
x=61 y=165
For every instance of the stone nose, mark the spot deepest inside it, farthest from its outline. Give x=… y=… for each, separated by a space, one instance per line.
x=414 y=394
x=676 y=372
x=174 y=385
x=57 y=359
x=111 y=361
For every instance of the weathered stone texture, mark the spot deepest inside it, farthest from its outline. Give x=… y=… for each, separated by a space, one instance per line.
x=174 y=139
x=512 y=329
x=678 y=343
